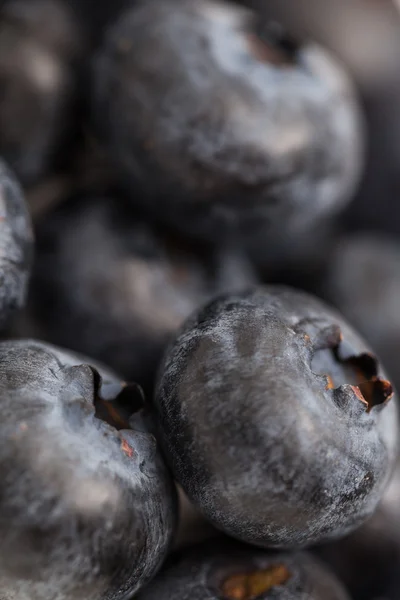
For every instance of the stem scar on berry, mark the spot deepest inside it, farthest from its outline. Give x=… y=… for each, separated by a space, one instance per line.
x=269 y=42
x=253 y=585
x=127 y=449
x=343 y=369
x=116 y=404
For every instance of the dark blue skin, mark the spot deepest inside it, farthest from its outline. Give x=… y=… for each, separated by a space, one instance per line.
x=16 y=246
x=123 y=287
x=208 y=571
x=368 y=560
x=269 y=448
x=87 y=507
x=39 y=44
x=220 y=131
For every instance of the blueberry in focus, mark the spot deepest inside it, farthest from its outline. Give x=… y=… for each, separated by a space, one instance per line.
x=87 y=506
x=229 y=571
x=16 y=246
x=363 y=281
x=219 y=126
x=368 y=560
x=108 y=284
x=39 y=45
x=276 y=419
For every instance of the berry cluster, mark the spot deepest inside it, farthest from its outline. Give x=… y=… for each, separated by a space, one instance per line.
x=185 y=190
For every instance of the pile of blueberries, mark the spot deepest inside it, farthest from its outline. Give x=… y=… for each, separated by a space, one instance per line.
x=183 y=185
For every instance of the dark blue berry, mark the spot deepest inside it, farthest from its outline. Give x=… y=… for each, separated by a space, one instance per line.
x=87 y=507
x=276 y=419
x=219 y=130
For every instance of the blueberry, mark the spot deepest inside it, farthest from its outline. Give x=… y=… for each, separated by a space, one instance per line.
x=363 y=281
x=365 y=36
x=39 y=44
x=276 y=419
x=87 y=507
x=226 y=571
x=368 y=560
x=108 y=284
x=16 y=244
x=220 y=129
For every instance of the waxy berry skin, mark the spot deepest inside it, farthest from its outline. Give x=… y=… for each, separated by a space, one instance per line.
x=220 y=130
x=87 y=507
x=276 y=419
x=16 y=246
x=367 y=561
x=229 y=571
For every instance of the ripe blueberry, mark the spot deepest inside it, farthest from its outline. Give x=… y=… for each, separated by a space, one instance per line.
x=220 y=129
x=87 y=507
x=276 y=419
